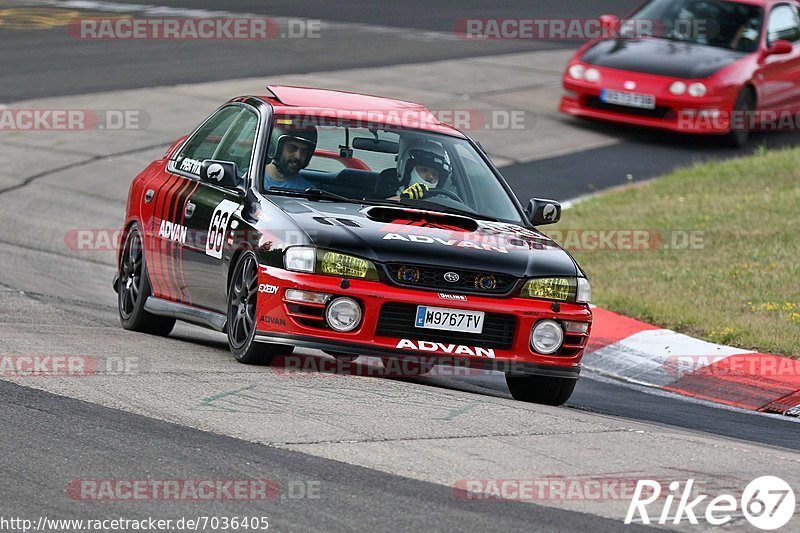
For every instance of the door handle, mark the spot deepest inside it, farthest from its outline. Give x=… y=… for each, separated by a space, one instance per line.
x=189 y=211
x=148 y=196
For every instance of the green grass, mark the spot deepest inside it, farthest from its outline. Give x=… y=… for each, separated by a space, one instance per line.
x=741 y=287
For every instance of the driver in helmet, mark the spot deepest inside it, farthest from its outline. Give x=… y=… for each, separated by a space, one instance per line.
x=424 y=166
x=290 y=151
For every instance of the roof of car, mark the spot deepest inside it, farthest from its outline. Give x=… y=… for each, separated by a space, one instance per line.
x=329 y=103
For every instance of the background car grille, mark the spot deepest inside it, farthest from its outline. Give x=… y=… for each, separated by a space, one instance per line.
x=397 y=320
x=434 y=278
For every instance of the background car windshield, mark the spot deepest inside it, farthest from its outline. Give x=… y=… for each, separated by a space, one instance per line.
x=382 y=169
x=731 y=25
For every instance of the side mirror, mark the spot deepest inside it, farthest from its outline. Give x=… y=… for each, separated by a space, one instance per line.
x=779 y=48
x=609 y=24
x=222 y=173
x=541 y=212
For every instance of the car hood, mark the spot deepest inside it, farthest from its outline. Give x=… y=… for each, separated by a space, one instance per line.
x=662 y=57
x=402 y=235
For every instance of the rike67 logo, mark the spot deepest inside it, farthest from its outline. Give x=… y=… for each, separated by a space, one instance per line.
x=767 y=503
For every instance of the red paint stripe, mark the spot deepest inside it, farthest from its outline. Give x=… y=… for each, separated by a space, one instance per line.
x=609 y=327
x=169 y=199
x=177 y=213
x=155 y=259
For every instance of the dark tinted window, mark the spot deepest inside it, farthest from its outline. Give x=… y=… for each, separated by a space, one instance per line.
x=204 y=142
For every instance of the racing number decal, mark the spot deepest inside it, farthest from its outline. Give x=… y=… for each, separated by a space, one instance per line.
x=218 y=228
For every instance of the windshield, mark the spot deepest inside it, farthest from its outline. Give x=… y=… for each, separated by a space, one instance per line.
x=730 y=25
x=379 y=163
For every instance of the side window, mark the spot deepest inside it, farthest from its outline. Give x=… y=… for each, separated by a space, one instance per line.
x=204 y=143
x=237 y=145
x=783 y=24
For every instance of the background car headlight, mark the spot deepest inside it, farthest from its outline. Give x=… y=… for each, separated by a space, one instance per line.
x=562 y=289
x=547 y=336
x=697 y=90
x=343 y=314
x=576 y=72
x=592 y=75
x=300 y=259
x=677 y=88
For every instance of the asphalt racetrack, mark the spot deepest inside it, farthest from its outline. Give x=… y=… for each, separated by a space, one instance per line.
x=347 y=453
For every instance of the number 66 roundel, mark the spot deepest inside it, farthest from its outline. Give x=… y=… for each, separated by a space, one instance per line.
x=218 y=227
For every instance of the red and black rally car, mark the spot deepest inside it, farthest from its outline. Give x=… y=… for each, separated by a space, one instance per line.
x=357 y=225
x=722 y=67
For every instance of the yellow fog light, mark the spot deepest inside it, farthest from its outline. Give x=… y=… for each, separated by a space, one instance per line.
x=562 y=289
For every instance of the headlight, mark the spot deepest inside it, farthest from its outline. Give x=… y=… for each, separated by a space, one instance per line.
x=306 y=259
x=576 y=72
x=677 y=88
x=343 y=314
x=697 y=90
x=592 y=75
x=300 y=259
x=547 y=336
x=560 y=289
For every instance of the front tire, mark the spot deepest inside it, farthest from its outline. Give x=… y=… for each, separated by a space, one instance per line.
x=133 y=288
x=545 y=390
x=241 y=325
x=744 y=106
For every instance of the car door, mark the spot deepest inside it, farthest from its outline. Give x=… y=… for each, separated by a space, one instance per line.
x=172 y=230
x=780 y=74
x=210 y=210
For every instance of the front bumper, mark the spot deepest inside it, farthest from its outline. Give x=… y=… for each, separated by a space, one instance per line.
x=279 y=320
x=709 y=115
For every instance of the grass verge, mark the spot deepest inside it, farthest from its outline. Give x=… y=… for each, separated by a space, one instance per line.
x=712 y=251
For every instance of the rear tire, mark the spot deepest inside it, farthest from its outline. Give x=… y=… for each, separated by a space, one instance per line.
x=133 y=289
x=745 y=105
x=241 y=324
x=544 y=390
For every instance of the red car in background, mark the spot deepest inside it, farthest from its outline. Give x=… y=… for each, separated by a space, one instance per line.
x=695 y=66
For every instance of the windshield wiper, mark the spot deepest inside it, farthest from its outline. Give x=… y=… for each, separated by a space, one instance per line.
x=315 y=194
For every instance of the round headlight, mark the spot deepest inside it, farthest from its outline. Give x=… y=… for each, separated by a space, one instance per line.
x=576 y=72
x=697 y=90
x=343 y=314
x=547 y=337
x=677 y=88
x=592 y=75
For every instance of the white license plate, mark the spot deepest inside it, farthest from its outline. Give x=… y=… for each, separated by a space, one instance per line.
x=642 y=101
x=449 y=319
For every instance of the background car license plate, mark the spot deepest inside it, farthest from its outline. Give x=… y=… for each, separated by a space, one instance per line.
x=449 y=319
x=642 y=101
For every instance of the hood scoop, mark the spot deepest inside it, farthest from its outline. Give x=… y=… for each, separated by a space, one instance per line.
x=419 y=217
